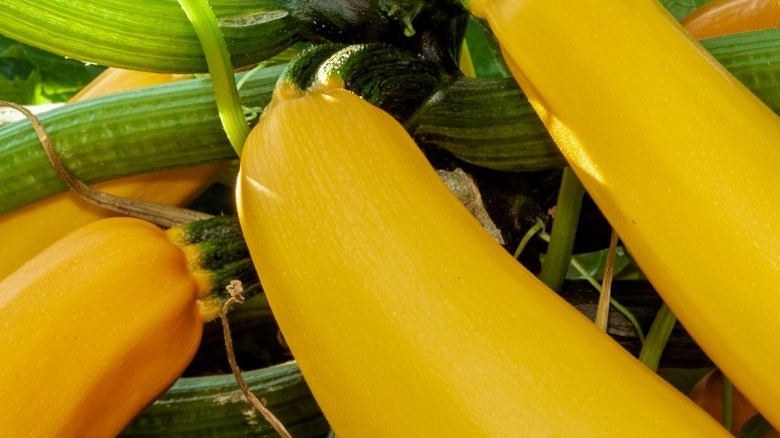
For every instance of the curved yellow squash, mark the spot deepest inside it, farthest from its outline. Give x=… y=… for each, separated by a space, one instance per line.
x=406 y=318
x=681 y=158
x=93 y=328
x=30 y=229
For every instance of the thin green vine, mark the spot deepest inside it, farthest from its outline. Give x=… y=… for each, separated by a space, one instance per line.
x=221 y=70
x=536 y=228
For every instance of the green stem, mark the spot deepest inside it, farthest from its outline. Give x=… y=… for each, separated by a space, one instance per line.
x=728 y=403
x=567 y=213
x=657 y=337
x=538 y=226
x=218 y=60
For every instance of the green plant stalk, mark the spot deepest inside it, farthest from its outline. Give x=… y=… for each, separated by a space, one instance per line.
x=728 y=403
x=657 y=337
x=567 y=212
x=221 y=70
x=153 y=35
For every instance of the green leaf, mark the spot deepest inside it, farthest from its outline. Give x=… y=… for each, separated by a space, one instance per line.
x=31 y=76
x=485 y=53
x=680 y=8
x=18 y=88
x=593 y=262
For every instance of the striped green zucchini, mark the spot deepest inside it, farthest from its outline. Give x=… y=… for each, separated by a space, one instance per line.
x=152 y=35
x=168 y=125
x=214 y=406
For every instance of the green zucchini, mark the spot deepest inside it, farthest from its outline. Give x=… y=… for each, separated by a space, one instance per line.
x=153 y=35
x=474 y=120
x=214 y=406
x=168 y=125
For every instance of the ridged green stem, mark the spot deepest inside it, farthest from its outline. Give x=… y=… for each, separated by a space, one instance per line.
x=657 y=337
x=393 y=79
x=220 y=69
x=567 y=214
x=217 y=246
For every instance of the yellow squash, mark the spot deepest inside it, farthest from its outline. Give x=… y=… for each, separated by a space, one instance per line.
x=95 y=327
x=720 y=17
x=681 y=158
x=27 y=231
x=406 y=317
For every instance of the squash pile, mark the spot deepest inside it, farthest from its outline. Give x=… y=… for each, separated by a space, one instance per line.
x=402 y=313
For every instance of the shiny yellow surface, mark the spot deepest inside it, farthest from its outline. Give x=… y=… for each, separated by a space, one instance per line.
x=113 y=80
x=93 y=329
x=719 y=17
x=27 y=231
x=680 y=157
x=405 y=316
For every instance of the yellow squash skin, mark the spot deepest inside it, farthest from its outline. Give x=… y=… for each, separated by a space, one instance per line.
x=720 y=17
x=93 y=328
x=406 y=318
x=27 y=231
x=680 y=157
x=113 y=80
